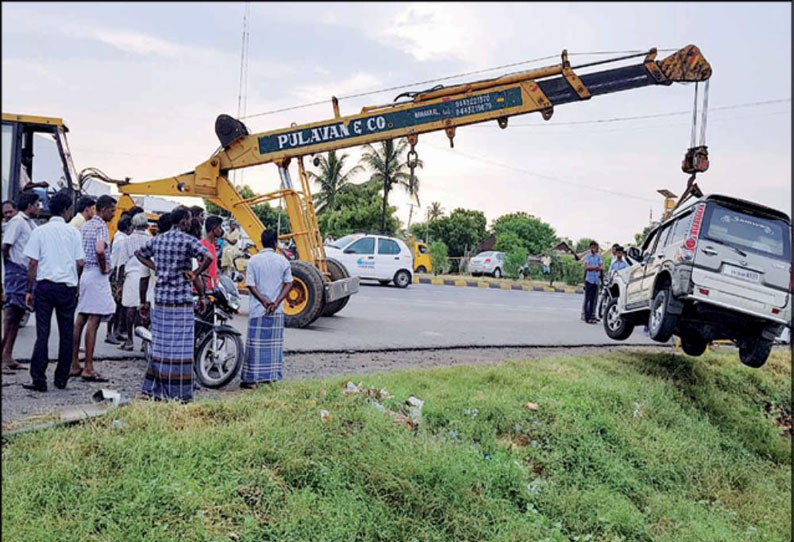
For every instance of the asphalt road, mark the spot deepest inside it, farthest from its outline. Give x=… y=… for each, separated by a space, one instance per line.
x=420 y=316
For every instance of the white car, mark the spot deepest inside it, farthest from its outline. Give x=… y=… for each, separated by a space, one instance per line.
x=376 y=257
x=487 y=263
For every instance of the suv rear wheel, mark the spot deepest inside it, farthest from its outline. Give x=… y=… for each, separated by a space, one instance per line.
x=693 y=344
x=754 y=351
x=616 y=326
x=661 y=323
x=497 y=273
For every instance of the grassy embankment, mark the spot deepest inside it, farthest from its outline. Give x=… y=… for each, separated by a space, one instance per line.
x=621 y=447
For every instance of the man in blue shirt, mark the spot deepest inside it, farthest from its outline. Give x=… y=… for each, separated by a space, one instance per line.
x=593 y=265
x=618 y=263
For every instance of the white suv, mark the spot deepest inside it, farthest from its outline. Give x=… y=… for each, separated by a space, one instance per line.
x=487 y=263
x=377 y=257
x=719 y=268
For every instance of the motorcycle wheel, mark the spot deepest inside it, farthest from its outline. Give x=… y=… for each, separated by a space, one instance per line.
x=217 y=365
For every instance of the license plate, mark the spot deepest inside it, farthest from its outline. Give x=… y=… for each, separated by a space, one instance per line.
x=743 y=274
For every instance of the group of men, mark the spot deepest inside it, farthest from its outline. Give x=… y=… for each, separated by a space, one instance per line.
x=65 y=266
x=594 y=276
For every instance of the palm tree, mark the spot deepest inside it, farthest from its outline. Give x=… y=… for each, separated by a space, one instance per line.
x=388 y=167
x=331 y=180
x=434 y=211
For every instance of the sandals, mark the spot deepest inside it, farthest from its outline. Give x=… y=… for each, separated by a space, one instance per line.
x=96 y=377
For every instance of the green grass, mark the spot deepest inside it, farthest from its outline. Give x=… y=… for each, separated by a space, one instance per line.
x=699 y=461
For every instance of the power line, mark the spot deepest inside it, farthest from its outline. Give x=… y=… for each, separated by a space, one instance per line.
x=542 y=176
x=642 y=117
x=446 y=78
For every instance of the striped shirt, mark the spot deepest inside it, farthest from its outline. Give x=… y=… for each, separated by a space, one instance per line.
x=92 y=232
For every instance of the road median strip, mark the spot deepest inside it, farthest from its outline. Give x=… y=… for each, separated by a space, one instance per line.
x=488 y=284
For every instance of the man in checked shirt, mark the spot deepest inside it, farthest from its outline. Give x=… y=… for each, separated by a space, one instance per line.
x=169 y=374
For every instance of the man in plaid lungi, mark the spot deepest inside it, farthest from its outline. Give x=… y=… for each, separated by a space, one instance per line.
x=269 y=279
x=169 y=374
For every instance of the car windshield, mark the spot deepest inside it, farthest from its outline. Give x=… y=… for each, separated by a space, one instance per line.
x=343 y=242
x=767 y=236
x=484 y=255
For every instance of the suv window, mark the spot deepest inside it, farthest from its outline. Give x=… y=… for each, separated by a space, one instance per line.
x=767 y=236
x=664 y=237
x=387 y=246
x=681 y=229
x=650 y=242
x=422 y=249
x=362 y=246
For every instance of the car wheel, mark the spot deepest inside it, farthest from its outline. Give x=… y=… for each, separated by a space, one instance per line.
x=421 y=269
x=402 y=278
x=521 y=275
x=616 y=326
x=754 y=351
x=662 y=322
x=693 y=345
x=497 y=273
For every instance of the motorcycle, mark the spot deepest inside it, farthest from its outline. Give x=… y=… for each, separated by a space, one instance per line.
x=218 y=348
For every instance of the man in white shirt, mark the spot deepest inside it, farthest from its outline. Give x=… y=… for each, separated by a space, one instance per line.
x=15 y=237
x=130 y=274
x=86 y=207
x=269 y=279
x=56 y=257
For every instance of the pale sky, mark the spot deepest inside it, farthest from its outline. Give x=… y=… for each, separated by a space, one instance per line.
x=140 y=86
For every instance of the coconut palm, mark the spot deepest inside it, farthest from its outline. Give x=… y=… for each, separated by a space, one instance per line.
x=387 y=162
x=434 y=211
x=331 y=180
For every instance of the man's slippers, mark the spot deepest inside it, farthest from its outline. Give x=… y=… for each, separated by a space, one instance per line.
x=96 y=377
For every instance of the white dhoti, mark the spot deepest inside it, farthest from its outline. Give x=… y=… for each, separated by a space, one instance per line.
x=131 y=292
x=95 y=295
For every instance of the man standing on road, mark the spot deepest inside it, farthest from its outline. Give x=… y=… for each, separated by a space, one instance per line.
x=115 y=325
x=593 y=265
x=86 y=207
x=618 y=262
x=269 y=279
x=169 y=372
x=56 y=262
x=15 y=273
x=231 y=250
x=96 y=300
x=130 y=274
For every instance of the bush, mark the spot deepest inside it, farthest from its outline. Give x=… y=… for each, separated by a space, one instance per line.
x=438 y=257
x=514 y=260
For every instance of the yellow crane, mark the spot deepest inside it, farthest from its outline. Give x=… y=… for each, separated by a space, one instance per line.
x=321 y=286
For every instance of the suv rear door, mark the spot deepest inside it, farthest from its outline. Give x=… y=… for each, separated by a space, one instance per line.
x=744 y=256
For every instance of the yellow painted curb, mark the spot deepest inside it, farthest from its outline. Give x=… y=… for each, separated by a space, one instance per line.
x=526 y=288
x=549 y=289
x=460 y=283
x=437 y=282
x=505 y=286
x=483 y=285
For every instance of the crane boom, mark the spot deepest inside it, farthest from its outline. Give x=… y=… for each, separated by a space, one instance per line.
x=436 y=109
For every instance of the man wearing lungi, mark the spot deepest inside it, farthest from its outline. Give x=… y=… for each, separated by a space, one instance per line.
x=130 y=274
x=15 y=272
x=169 y=373
x=95 y=301
x=56 y=261
x=269 y=279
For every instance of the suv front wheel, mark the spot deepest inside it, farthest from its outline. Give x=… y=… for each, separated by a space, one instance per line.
x=754 y=351
x=617 y=327
x=661 y=323
x=402 y=278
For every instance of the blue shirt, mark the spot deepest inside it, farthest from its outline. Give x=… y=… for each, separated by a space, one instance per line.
x=617 y=265
x=172 y=252
x=267 y=271
x=590 y=260
x=57 y=247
